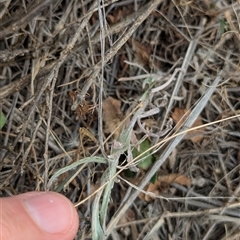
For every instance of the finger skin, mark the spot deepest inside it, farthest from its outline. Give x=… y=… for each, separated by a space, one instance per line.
x=16 y=223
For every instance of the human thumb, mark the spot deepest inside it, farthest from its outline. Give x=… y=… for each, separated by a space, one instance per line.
x=38 y=216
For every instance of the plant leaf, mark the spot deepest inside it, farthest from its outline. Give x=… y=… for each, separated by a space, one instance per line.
x=179 y=115
x=2 y=119
x=146 y=155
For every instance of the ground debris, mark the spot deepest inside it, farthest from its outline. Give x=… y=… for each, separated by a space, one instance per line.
x=112 y=116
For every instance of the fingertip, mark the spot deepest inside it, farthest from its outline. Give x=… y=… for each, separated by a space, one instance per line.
x=52 y=212
x=39 y=215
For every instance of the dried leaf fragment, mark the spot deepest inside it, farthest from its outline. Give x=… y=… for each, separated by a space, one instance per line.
x=179 y=115
x=142 y=53
x=82 y=110
x=161 y=183
x=151 y=188
x=112 y=116
x=129 y=230
x=174 y=178
x=116 y=16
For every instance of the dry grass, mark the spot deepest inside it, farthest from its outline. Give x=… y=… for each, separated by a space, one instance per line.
x=59 y=60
